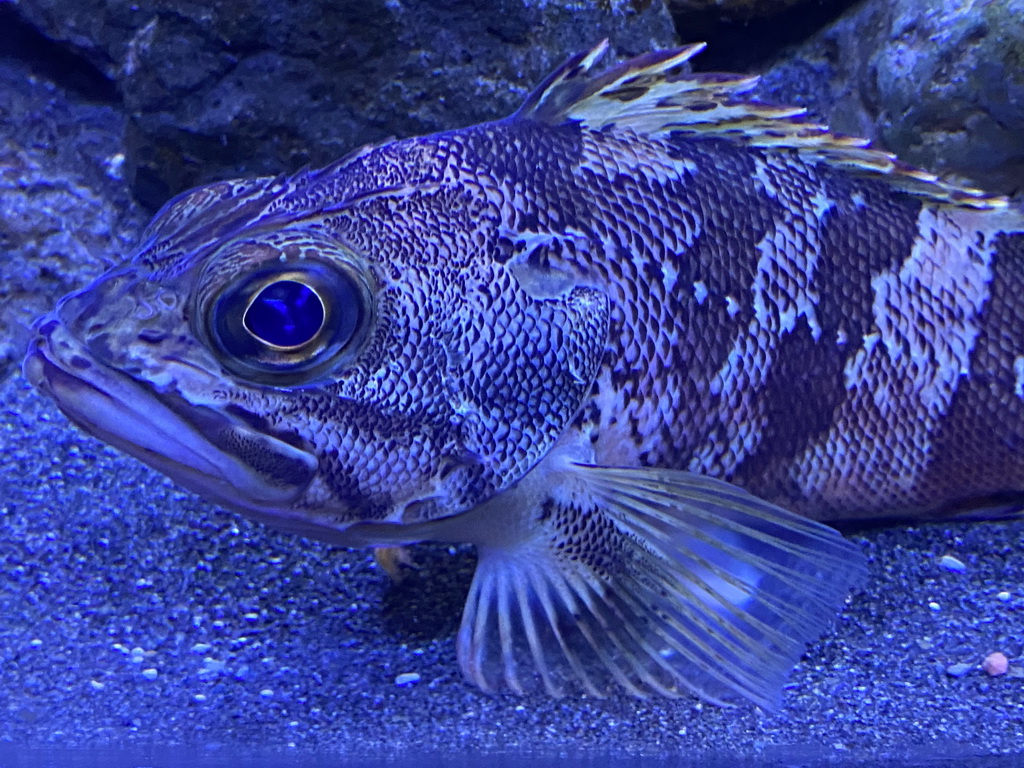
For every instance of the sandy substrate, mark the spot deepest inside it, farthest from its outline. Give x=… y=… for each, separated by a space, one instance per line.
x=139 y=620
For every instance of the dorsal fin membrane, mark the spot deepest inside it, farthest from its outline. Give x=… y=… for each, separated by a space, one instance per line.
x=651 y=95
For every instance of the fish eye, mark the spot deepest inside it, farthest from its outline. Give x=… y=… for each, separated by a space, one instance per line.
x=286 y=324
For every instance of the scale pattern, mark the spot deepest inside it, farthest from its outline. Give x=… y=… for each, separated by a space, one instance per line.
x=783 y=324
x=808 y=334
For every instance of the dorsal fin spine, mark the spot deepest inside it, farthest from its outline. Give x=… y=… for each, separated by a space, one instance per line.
x=651 y=96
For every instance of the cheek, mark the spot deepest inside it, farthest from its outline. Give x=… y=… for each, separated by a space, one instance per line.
x=382 y=466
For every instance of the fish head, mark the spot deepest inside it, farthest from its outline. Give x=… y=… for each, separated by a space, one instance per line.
x=173 y=360
x=313 y=378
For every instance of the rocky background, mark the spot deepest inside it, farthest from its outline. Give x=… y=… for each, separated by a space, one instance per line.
x=110 y=107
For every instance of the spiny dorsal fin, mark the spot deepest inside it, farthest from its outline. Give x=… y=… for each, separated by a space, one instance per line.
x=650 y=95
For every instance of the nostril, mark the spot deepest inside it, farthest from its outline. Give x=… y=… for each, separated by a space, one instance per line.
x=152 y=335
x=48 y=327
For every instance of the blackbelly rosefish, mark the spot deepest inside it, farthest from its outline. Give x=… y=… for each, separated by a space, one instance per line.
x=634 y=342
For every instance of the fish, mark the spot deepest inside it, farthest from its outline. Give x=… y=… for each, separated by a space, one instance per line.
x=641 y=343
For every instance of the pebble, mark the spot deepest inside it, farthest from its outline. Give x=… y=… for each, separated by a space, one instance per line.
x=149 y=674
x=213 y=666
x=407 y=678
x=1003 y=596
x=958 y=670
x=950 y=563
x=995 y=664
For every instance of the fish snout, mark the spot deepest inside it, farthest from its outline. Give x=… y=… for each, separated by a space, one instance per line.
x=51 y=348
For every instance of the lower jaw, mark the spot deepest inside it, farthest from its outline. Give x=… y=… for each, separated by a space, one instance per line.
x=125 y=415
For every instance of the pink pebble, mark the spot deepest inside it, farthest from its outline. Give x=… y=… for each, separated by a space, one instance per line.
x=995 y=664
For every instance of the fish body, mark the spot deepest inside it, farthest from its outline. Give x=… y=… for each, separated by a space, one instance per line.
x=616 y=341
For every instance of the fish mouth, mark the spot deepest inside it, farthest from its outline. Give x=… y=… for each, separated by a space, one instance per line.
x=193 y=445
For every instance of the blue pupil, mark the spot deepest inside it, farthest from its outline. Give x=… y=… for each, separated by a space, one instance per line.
x=285 y=314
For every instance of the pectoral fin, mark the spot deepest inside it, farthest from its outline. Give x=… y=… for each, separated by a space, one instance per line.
x=657 y=581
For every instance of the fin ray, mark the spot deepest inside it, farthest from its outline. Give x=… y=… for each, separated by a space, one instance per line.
x=688 y=642
x=651 y=95
x=651 y=581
